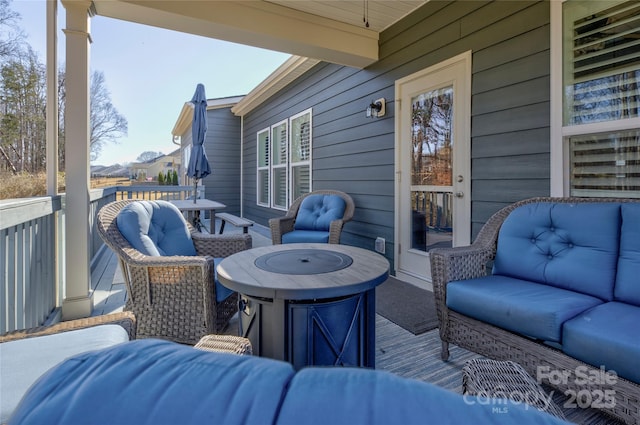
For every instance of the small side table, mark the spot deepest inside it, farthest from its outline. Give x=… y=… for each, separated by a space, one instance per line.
x=506 y=379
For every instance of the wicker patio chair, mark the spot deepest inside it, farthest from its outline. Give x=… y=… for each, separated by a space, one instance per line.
x=173 y=297
x=281 y=225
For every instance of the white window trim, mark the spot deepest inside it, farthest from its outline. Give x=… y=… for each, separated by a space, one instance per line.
x=309 y=161
x=559 y=151
x=262 y=168
x=285 y=166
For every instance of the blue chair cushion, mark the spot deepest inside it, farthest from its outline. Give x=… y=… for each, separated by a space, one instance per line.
x=155 y=228
x=222 y=292
x=157 y=382
x=569 y=246
x=351 y=396
x=316 y=212
x=531 y=309
x=606 y=335
x=627 y=288
x=305 y=236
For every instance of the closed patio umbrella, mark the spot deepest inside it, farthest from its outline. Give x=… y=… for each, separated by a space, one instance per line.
x=198 y=163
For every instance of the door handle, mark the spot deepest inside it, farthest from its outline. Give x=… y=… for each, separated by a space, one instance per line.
x=459 y=194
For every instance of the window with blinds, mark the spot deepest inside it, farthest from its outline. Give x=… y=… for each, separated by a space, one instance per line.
x=601 y=74
x=279 y=158
x=300 y=147
x=602 y=61
x=283 y=164
x=606 y=164
x=263 y=169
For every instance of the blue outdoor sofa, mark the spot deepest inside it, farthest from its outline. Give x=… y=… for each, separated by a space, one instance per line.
x=160 y=382
x=553 y=284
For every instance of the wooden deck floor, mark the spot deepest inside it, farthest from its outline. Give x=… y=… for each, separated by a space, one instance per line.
x=397 y=350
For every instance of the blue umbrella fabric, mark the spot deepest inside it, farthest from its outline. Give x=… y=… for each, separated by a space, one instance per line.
x=198 y=162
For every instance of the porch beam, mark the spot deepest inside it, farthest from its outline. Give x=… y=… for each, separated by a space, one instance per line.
x=77 y=302
x=254 y=23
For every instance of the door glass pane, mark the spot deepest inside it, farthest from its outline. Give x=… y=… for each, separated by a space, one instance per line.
x=431 y=169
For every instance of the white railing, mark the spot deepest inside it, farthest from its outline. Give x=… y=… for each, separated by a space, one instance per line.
x=32 y=250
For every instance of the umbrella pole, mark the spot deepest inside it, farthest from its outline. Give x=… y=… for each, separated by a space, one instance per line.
x=196 y=214
x=195 y=190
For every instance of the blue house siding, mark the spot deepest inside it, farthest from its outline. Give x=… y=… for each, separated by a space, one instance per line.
x=222 y=145
x=510 y=112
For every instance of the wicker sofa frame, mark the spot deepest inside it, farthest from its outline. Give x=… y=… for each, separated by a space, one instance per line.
x=281 y=225
x=452 y=264
x=173 y=297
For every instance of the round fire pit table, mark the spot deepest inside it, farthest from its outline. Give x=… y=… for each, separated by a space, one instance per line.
x=308 y=304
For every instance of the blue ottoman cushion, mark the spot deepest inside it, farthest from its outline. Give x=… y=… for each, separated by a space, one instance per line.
x=351 y=396
x=570 y=246
x=606 y=335
x=528 y=308
x=157 y=382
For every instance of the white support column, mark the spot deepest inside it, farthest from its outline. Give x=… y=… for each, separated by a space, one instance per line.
x=77 y=302
x=52 y=127
x=52 y=93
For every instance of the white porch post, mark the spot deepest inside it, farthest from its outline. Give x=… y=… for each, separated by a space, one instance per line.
x=77 y=302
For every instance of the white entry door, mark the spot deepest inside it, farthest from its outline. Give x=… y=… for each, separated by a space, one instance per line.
x=432 y=164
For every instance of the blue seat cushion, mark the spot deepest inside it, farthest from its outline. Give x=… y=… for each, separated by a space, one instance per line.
x=606 y=335
x=362 y=396
x=569 y=246
x=627 y=288
x=155 y=228
x=222 y=292
x=305 y=236
x=531 y=309
x=316 y=212
x=157 y=382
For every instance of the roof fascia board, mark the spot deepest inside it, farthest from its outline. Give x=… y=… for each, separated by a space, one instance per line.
x=291 y=69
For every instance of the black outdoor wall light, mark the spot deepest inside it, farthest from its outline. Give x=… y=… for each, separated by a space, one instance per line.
x=376 y=109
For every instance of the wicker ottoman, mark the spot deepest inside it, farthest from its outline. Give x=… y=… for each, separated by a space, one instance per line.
x=225 y=344
x=506 y=379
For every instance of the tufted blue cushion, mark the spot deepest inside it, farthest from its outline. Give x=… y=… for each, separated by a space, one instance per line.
x=570 y=246
x=362 y=396
x=157 y=382
x=316 y=212
x=306 y=236
x=627 y=288
x=606 y=335
x=155 y=228
x=520 y=306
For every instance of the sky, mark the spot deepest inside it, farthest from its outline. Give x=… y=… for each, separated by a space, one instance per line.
x=151 y=72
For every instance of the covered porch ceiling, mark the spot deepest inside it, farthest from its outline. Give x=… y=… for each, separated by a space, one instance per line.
x=328 y=30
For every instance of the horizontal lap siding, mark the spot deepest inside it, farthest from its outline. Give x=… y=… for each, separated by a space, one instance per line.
x=223 y=151
x=510 y=112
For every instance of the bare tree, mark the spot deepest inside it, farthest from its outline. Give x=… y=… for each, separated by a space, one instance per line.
x=11 y=35
x=107 y=125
